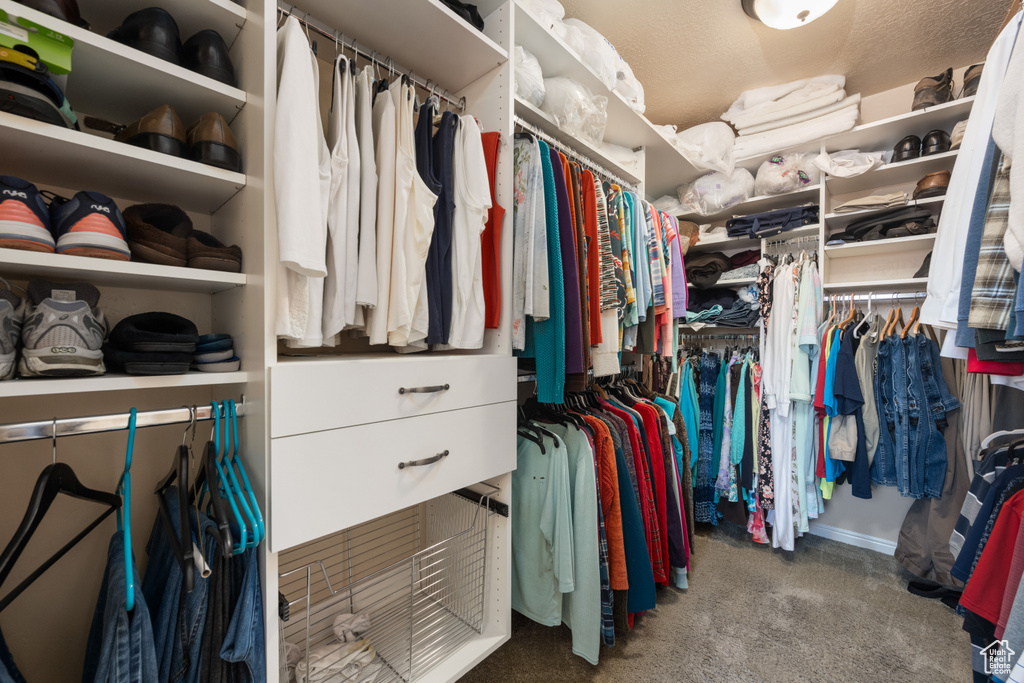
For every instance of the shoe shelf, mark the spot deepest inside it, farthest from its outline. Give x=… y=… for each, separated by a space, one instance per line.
x=223 y=16
x=541 y=120
x=120 y=84
x=128 y=274
x=50 y=155
x=666 y=168
x=900 y=173
x=909 y=283
x=805 y=195
x=424 y=34
x=48 y=386
x=839 y=221
x=737 y=243
x=876 y=247
x=882 y=135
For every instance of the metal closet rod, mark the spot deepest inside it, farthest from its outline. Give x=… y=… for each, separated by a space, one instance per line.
x=871 y=296
x=337 y=37
x=791 y=242
x=95 y=424
x=570 y=152
x=752 y=337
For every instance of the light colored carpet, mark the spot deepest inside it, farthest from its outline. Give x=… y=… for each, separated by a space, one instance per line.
x=826 y=612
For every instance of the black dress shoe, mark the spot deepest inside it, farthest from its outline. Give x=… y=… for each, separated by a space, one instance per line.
x=907 y=148
x=936 y=142
x=67 y=10
x=153 y=31
x=207 y=54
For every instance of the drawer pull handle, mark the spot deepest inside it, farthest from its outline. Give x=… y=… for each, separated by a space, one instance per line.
x=425 y=461
x=424 y=390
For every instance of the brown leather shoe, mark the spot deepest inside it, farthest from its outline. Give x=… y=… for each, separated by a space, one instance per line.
x=206 y=251
x=158 y=233
x=211 y=141
x=161 y=130
x=972 y=77
x=933 y=90
x=932 y=185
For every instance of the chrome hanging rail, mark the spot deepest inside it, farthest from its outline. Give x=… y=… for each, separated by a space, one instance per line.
x=572 y=153
x=338 y=38
x=95 y=424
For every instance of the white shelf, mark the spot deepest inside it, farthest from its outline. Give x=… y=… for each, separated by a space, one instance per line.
x=901 y=173
x=666 y=168
x=874 y=247
x=742 y=282
x=45 y=154
x=129 y=274
x=119 y=83
x=541 y=120
x=423 y=35
x=50 y=386
x=839 y=221
x=760 y=204
x=908 y=283
x=223 y=16
x=882 y=136
x=731 y=243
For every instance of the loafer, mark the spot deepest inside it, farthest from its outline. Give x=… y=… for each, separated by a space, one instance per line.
x=206 y=53
x=161 y=130
x=65 y=10
x=936 y=142
x=972 y=77
x=957 y=136
x=210 y=141
x=907 y=148
x=925 y=266
x=158 y=233
x=932 y=185
x=153 y=31
x=933 y=90
x=207 y=252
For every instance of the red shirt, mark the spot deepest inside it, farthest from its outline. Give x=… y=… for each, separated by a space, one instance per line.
x=490 y=239
x=984 y=592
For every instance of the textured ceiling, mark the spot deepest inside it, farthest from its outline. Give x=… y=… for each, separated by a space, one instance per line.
x=694 y=57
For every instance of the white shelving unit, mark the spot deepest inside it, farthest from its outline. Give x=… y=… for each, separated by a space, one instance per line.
x=890 y=175
x=839 y=221
x=45 y=386
x=875 y=247
x=898 y=284
x=806 y=195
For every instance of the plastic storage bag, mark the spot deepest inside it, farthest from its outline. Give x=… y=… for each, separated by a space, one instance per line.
x=708 y=146
x=630 y=88
x=783 y=173
x=848 y=163
x=575 y=109
x=529 y=78
x=597 y=53
x=715 y=192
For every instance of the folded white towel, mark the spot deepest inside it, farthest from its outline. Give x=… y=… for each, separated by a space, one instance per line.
x=748 y=146
x=752 y=100
x=799 y=102
x=835 y=105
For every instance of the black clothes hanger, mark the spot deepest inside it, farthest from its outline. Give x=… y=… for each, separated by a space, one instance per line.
x=55 y=479
x=180 y=538
x=208 y=476
x=526 y=434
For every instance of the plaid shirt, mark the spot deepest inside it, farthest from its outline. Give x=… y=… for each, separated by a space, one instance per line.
x=994 y=287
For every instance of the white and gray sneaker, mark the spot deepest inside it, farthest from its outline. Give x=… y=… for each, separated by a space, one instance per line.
x=63 y=331
x=12 y=312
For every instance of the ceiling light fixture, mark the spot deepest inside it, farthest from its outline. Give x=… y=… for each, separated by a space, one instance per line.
x=783 y=14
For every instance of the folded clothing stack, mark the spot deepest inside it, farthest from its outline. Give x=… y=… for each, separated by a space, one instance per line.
x=704 y=269
x=152 y=344
x=771 y=223
x=215 y=353
x=724 y=307
x=875 y=201
x=901 y=222
x=776 y=117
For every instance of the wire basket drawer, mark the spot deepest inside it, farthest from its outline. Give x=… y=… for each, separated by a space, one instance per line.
x=406 y=590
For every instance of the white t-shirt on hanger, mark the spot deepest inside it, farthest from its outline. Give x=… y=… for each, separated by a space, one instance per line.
x=384 y=134
x=366 y=281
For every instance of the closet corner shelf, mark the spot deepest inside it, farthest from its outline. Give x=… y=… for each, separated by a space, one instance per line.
x=423 y=35
x=882 y=135
x=900 y=173
x=877 y=285
x=839 y=221
x=666 y=167
x=50 y=155
x=128 y=274
x=541 y=120
x=114 y=382
x=768 y=202
x=142 y=81
x=891 y=246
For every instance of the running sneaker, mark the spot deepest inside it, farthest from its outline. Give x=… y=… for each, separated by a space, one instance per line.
x=63 y=331
x=24 y=217
x=89 y=224
x=12 y=312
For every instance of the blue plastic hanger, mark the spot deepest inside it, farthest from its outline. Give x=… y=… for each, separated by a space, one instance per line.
x=124 y=513
x=223 y=481
x=234 y=489
x=261 y=529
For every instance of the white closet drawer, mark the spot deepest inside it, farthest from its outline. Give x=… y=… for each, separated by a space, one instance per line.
x=313 y=395
x=330 y=480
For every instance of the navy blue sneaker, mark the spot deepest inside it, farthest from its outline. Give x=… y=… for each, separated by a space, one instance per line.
x=90 y=224
x=24 y=218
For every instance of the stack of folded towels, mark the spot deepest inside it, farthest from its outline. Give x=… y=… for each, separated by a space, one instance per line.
x=215 y=353
x=781 y=116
